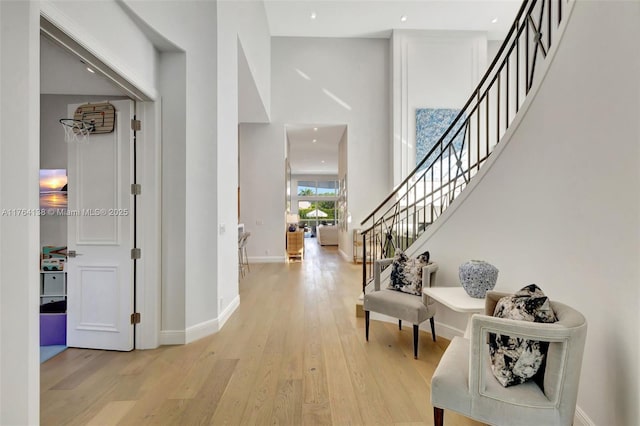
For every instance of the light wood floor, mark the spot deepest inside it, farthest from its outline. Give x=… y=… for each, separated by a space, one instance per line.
x=293 y=353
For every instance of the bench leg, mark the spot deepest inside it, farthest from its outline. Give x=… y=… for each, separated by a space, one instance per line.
x=366 y=324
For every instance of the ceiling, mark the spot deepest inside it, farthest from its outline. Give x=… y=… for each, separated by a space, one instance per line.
x=63 y=73
x=377 y=18
x=313 y=149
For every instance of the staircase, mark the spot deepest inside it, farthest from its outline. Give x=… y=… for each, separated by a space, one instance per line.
x=441 y=176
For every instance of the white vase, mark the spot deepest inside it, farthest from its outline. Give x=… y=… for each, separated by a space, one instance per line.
x=477 y=277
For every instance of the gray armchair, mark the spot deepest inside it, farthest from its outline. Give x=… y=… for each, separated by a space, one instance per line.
x=463 y=381
x=404 y=306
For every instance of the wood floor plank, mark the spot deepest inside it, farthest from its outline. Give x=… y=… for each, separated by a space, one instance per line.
x=293 y=353
x=261 y=398
x=77 y=377
x=369 y=393
x=199 y=410
x=315 y=409
x=111 y=413
x=241 y=391
x=342 y=398
x=149 y=407
x=287 y=408
x=397 y=373
x=63 y=365
x=196 y=377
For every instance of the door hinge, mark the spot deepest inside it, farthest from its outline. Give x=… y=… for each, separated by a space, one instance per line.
x=136 y=125
x=136 y=189
x=136 y=253
x=135 y=318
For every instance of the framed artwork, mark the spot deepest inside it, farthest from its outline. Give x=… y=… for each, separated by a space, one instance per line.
x=342 y=204
x=431 y=123
x=53 y=188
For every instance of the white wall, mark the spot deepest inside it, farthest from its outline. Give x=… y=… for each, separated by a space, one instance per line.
x=19 y=235
x=356 y=72
x=245 y=22
x=172 y=82
x=492 y=49
x=190 y=216
x=431 y=69
x=106 y=30
x=262 y=190
x=558 y=204
x=189 y=26
x=209 y=33
x=348 y=85
x=252 y=29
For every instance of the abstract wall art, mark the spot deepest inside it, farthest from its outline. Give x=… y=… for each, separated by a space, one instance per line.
x=431 y=123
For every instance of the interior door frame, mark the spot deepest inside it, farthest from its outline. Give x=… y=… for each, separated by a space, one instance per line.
x=57 y=28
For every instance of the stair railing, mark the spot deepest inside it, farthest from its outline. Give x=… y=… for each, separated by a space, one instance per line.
x=467 y=143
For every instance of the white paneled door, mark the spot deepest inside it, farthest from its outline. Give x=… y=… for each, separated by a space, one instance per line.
x=100 y=232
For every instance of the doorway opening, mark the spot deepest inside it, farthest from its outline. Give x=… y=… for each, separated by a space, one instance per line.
x=316 y=182
x=100 y=206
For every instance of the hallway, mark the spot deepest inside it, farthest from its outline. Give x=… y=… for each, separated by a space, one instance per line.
x=293 y=353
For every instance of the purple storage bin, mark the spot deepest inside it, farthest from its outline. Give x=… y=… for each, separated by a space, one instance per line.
x=53 y=329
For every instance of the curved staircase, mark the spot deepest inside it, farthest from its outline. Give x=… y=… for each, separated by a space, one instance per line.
x=398 y=222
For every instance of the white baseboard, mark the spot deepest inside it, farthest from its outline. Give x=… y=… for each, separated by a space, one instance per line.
x=581 y=418
x=345 y=256
x=267 y=259
x=442 y=330
x=172 y=337
x=198 y=331
x=203 y=329
x=226 y=313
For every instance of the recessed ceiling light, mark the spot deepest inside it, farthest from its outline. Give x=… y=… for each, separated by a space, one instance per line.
x=90 y=70
x=403 y=18
x=315 y=129
x=313 y=15
x=315 y=140
x=322 y=161
x=494 y=20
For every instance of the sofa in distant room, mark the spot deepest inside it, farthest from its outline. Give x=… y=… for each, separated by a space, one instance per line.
x=327 y=235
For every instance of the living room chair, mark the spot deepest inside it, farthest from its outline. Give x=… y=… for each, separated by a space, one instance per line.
x=404 y=306
x=463 y=381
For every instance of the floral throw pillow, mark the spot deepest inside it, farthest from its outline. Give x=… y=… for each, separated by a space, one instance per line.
x=516 y=360
x=406 y=273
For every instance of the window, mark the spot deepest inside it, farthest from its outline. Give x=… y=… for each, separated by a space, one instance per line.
x=306 y=188
x=328 y=189
x=320 y=211
x=317 y=203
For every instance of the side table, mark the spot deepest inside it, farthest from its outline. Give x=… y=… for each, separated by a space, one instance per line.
x=295 y=244
x=457 y=299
